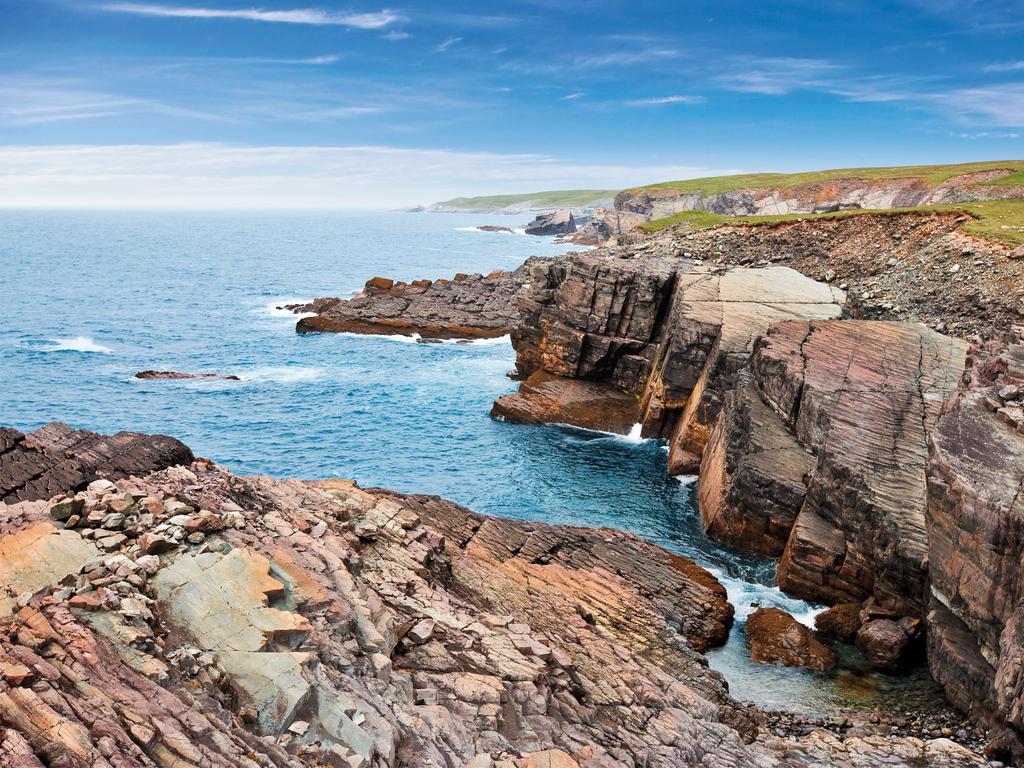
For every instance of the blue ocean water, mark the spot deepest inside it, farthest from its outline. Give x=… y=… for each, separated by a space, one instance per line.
x=91 y=298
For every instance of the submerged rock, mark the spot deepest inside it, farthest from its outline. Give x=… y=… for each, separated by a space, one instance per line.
x=775 y=637
x=181 y=375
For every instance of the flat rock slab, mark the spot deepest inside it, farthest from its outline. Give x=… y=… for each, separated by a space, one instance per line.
x=548 y=399
x=38 y=556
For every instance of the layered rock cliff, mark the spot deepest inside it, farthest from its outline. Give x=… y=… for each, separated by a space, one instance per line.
x=465 y=307
x=976 y=541
x=195 y=618
x=835 y=195
x=663 y=330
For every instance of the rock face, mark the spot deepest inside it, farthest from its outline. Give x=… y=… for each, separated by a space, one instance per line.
x=976 y=542
x=668 y=333
x=179 y=375
x=820 y=453
x=465 y=307
x=548 y=399
x=556 y=223
x=56 y=458
x=837 y=195
x=775 y=637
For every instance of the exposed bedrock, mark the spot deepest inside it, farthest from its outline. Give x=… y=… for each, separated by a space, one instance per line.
x=554 y=223
x=820 y=454
x=835 y=195
x=465 y=307
x=57 y=458
x=179 y=375
x=976 y=542
x=195 y=618
x=777 y=638
x=667 y=333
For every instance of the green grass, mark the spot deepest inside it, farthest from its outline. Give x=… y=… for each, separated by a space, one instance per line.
x=932 y=174
x=999 y=220
x=568 y=198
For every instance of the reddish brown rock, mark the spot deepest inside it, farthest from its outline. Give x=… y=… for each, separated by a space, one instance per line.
x=976 y=543
x=891 y=646
x=548 y=399
x=658 y=328
x=840 y=621
x=468 y=307
x=859 y=398
x=56 y=458
x=180 y=375
x=775 y=637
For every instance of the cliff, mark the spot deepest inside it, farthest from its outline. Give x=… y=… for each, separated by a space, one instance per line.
x=196 y=618
x=826 y=191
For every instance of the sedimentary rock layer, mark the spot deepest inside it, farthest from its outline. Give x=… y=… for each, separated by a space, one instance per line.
x=822 y=450
x=56 y=458
x=662 y=329
x=976 y=541
x=196 y=618
x=836 y=195
x=465 y=307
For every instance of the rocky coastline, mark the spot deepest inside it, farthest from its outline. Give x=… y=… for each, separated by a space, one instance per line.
x=186 y=616
x=850 y=392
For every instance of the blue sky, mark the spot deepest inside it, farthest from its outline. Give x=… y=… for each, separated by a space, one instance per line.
x=296 y=104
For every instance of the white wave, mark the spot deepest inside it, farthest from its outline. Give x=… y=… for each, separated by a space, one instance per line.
x=510 y=231
x=278 y=308
x=687 y=479
x=635 y=433
x=75 y=344
x=282 y=374
x=518 y=230
x=633 y=437
x=746 y=597
x=387 y=337
x=506 y=339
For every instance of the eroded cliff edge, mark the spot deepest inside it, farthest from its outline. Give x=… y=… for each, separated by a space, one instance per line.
x=192 y=617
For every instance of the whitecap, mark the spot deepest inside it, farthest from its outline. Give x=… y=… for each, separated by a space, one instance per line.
x=291 y=374
x=278 y=308
x=687 y=479
x=746 y=597
x=73 y=344
x=489 y=342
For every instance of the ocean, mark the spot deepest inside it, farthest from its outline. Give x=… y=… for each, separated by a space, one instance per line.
x=90 y=298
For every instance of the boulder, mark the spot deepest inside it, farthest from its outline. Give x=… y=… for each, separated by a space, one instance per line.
x=775 y=637
x=556 y=223
x=840 y=621
x=890 y=646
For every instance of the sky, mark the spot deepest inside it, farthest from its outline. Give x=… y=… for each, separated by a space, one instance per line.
x=296 y=104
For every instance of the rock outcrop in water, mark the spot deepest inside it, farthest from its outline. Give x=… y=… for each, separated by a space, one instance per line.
x=555 y=223
x=180 y=375
x=197 y=618
x=775 y=637
x=664 y=332
x=976 y=542
x=56 y=458
x=465 y=307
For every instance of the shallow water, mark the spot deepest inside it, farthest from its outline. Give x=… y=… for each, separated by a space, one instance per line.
x=91 y=298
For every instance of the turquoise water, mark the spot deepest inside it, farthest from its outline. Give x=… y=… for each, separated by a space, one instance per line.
x=91 y=298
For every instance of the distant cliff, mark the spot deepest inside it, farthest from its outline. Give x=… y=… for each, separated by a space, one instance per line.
x=528 y=202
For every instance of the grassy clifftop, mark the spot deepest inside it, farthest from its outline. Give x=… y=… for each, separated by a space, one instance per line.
x=558 y=198
x=932 y=174
x=999 y=220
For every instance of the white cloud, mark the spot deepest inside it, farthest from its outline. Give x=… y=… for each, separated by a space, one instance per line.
x=573 y=96
x=997 y=106
x=209 y=176
x=448 y=44
x=775 y=76
x=1005 y=66
x=659 y=100
x=312 y=16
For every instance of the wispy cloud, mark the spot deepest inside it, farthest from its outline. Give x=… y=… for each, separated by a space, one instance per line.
x=659 y=100
x=442 y=47
x=775 y=76
x=230 y=176
x=997 y=106
x=375 y=20
x=573 y=96
x=1005 y=66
